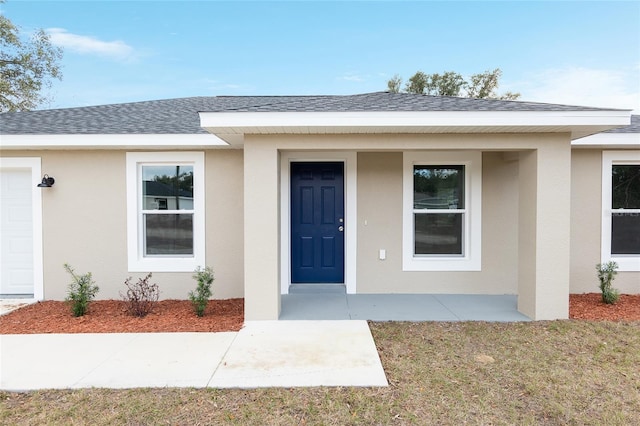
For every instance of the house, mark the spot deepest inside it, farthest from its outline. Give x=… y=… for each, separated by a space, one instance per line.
x=379 y=192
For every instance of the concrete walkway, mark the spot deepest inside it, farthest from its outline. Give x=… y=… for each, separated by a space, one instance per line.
x=262 y=354
x=8 y=305
x=311 y=345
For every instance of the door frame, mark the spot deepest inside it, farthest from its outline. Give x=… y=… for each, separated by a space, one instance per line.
x=35 y=165
x=350 y=212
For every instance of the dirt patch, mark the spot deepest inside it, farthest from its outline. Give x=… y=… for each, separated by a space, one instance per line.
x=589 y=306
x=110 y=316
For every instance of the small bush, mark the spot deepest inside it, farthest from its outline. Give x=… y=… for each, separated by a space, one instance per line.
x=141 y=296
x=81 y=291
x=200 y=297
x=606 y=274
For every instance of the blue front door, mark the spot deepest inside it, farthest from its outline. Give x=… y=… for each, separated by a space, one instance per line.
x=317 y=222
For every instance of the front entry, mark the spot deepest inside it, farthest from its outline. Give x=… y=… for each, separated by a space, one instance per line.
x=317 y=222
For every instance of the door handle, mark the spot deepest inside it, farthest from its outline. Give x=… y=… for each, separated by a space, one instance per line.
x=340 y=228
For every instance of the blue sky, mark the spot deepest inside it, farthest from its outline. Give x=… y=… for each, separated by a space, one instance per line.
x=573 y=52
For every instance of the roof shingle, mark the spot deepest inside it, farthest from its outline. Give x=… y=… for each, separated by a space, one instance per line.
x=180 y=116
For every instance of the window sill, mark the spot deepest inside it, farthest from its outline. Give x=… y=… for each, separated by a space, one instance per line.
x=164 y=265
x=626 y=263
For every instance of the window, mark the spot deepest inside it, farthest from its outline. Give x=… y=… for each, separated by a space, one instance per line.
x=621 y=209
x=442 y=211
x=165 y=217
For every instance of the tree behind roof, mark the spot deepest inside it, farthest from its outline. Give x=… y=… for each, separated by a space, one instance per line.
x=451 y=83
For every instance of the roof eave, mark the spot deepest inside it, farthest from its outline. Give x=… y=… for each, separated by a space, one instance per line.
x=609 y=141
x=232 y=126
x=112 y=141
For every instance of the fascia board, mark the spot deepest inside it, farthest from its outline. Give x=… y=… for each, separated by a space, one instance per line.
x=379 y=119
x=107 y=141
x=609 y=140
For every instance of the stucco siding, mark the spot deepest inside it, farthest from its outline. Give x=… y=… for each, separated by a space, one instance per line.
x=544 y=229
x=586 y=219
x=380 y=227
x=586 y=225
x=224 y=180
x=84 y=223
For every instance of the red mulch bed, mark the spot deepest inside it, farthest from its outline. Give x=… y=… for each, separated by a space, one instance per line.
x=110 y=316
x=589 y=306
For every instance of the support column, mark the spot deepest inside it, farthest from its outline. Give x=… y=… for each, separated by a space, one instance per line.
x=261 y=232
x=544 y=230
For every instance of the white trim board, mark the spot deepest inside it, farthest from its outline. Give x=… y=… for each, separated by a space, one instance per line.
x=610 y=158
x=472 y=258
x=415 y=118
x=609 y=140
x=105 y=141
x=579 y=123
x=138 y=263
x=350 y=160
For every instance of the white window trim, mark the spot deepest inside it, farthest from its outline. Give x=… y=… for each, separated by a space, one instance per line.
x=35 y=166
x=350 y=160
x=471 y=260
x=609 y=159
x=136 y=261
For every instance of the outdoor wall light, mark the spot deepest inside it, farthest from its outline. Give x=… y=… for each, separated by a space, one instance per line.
x=47 y=182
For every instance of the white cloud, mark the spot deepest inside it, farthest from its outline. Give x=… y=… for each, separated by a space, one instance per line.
x=608 y=88
x=217 y=86
x=352 y=76
x=89 y=45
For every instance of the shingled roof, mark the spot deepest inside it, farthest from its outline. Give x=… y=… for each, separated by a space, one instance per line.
x=634 y=127
x=180 y=116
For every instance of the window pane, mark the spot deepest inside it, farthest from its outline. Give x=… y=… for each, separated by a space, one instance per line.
x=168 y=234
x=438 y=187
x=625 y=233
x=625 y=187
x=167 y=187
x=438 y=233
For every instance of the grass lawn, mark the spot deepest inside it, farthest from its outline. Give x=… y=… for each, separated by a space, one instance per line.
x=559 y=372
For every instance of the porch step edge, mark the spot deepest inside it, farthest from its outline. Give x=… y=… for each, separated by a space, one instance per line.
x=317 y=289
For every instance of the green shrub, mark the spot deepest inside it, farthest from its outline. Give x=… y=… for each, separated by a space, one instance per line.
x=200 y=297
x=82 y=290
x=141 y=296
x=606 y=274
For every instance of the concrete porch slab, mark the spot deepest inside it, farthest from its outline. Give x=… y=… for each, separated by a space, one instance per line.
x=320 y=305
x=400 y=307
x=480 y=307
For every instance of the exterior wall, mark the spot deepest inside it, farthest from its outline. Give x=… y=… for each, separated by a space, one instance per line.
x=84 y=223
x=380 y=227
x=525 y=245
x=262 y=232
x=542 y=215
x=586 y=224
x=586 y=219
x=543 y=227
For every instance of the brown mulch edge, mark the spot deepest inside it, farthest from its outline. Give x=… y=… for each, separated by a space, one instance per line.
x=589 y=306
x=111 y=316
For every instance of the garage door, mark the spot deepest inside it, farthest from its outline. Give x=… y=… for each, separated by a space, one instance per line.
x=16 y=233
